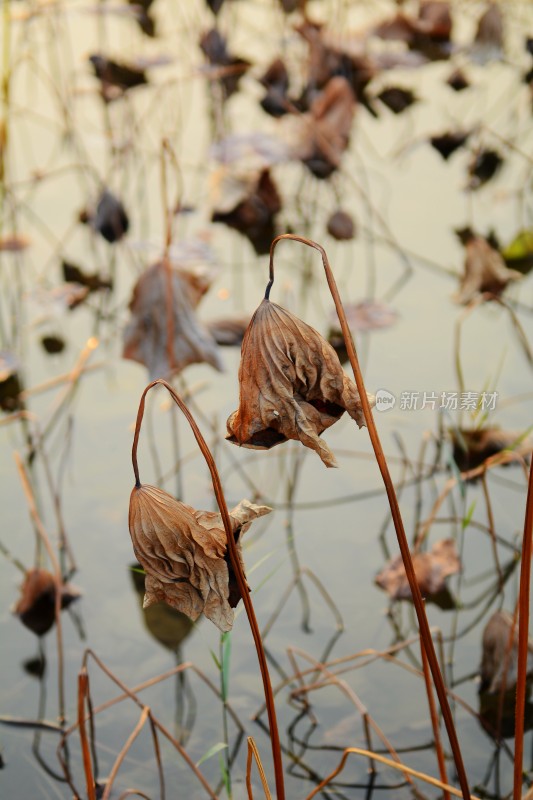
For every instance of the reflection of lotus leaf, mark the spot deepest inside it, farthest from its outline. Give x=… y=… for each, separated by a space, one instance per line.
x=167 y=625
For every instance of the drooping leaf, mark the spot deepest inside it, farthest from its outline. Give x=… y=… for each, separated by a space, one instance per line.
x=36 y=605
x=291 y=385
x=431 y=570
x=146 y=337
x=184 y=553
x=484 y=269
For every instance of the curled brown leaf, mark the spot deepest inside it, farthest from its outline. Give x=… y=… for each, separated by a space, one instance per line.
x=184 y=553
x=431 y=570
x=292 y=385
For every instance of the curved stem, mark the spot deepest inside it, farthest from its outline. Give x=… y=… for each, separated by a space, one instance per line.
x=235 y=563
x=393 y=503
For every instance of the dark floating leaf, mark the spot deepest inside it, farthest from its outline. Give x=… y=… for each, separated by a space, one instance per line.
x=484 y=269
x=397 y=99
x=36 y=606
x=53 y=344
x=214 y=47
x=167 y=625
x=329 y=59
x=36 y=667
x=143 y=17
x=472 y=447
x=448 y=143
x=276 y=81
x=458 y=81
x=529 y=45
x=215 y=5
x=499 y=658
x=228 y=332
x=116 y=78
x=93 y=281
x=431 y=570
x=341 y=226
x=10 y=384
x=109 y=219
x=484 y=166
x=528 y=77
x=254 y=216
x=498 y=672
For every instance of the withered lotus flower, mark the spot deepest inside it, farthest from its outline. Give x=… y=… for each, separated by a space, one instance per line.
x=292 y=385
x=184 y=553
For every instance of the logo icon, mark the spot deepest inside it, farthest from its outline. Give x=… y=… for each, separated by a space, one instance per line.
x=385 y=400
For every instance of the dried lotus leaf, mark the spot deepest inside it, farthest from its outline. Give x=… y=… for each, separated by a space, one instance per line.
x=292 y=385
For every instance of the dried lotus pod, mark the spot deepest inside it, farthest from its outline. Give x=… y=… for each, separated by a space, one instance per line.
x=292 y=385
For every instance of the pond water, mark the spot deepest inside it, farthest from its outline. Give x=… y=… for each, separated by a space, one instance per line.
x=312 y=562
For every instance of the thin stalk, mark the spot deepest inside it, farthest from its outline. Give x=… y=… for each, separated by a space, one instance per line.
x=393 y=503
x=83 y=682
x=235 y=563
x=434 y=723
x=523 y=633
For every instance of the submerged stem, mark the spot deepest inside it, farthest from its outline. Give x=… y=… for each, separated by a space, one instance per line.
x=393 y=503
x=235 y=563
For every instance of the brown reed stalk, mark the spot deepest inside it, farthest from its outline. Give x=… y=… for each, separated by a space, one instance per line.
x=434 y=722
x=393 y=502
x=83 y=686
x=235 y=563
x=124 y=751
x=523 y=634
x=254 y=752
x=387 y=761
x=153 y=720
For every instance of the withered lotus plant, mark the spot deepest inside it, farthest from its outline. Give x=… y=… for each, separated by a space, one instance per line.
x=283 y=354
x=184 y=551
x=192 y=558
x=292 y=385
